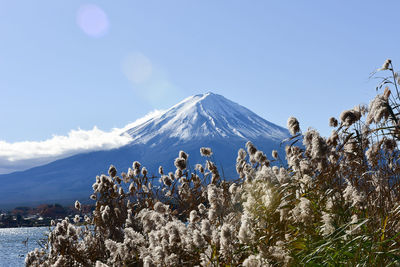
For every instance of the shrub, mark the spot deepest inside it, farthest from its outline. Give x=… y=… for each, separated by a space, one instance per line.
x=336 y=202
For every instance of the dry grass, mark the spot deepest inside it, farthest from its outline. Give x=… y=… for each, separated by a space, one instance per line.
x=337 y=202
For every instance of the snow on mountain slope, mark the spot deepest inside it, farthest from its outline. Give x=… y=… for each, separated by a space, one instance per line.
x=197 y=117
x=201 y=120
x=207 y=115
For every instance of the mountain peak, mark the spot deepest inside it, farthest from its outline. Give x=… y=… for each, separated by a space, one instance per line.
x=201 y=120
x=206 y=97
x=209 y=93
x=207 y=115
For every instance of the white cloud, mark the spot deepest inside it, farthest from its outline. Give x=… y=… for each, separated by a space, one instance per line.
x=24 y=155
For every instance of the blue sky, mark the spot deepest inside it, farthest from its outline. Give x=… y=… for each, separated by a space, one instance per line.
x=69 y=65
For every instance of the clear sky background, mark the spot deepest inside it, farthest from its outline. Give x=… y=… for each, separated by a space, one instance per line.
x=69 y=65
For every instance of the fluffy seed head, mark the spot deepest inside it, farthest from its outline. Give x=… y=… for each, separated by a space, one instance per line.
x=160 y=208
x=77 y=218
x=241 y=154
x=348 y=117
x=260 y=157
x=386 y=65
x=77 y=205
x=166 y=180
x=251 y=149
x=194 y=217
x=112 y=171
x=293 y=125
x=200 y=168
x=180 y=163
x=206 y=152
x=136 y=165
x=202 y=208
x=333 y=122
x=378 y=109
x=182 y=154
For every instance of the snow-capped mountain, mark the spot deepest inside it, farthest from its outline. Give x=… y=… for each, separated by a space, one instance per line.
x=205 y=116
x=208 y=120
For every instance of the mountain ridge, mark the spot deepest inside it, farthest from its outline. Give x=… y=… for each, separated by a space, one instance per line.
x=206 y=120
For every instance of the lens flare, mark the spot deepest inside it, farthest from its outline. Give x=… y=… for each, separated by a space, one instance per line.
x=92 y=20
x=137 y=68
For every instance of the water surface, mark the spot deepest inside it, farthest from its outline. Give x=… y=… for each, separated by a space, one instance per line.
x=12 y=246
